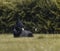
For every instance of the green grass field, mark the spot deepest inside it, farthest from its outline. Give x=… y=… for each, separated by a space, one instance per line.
x=40 y=42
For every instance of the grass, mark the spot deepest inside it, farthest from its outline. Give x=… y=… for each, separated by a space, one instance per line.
x=40 y=42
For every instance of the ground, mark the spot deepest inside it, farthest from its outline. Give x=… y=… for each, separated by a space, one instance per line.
x=40 y=42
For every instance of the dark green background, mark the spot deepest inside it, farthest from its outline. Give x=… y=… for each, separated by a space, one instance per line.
x=41 y=14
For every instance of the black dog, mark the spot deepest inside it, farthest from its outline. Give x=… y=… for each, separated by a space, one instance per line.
x=18 y=32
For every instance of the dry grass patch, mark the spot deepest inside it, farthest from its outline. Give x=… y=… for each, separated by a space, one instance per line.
x=9 y=43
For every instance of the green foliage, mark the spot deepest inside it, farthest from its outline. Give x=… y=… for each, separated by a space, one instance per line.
x=41 y=14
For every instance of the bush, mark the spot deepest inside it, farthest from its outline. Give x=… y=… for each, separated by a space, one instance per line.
x=39 y=14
